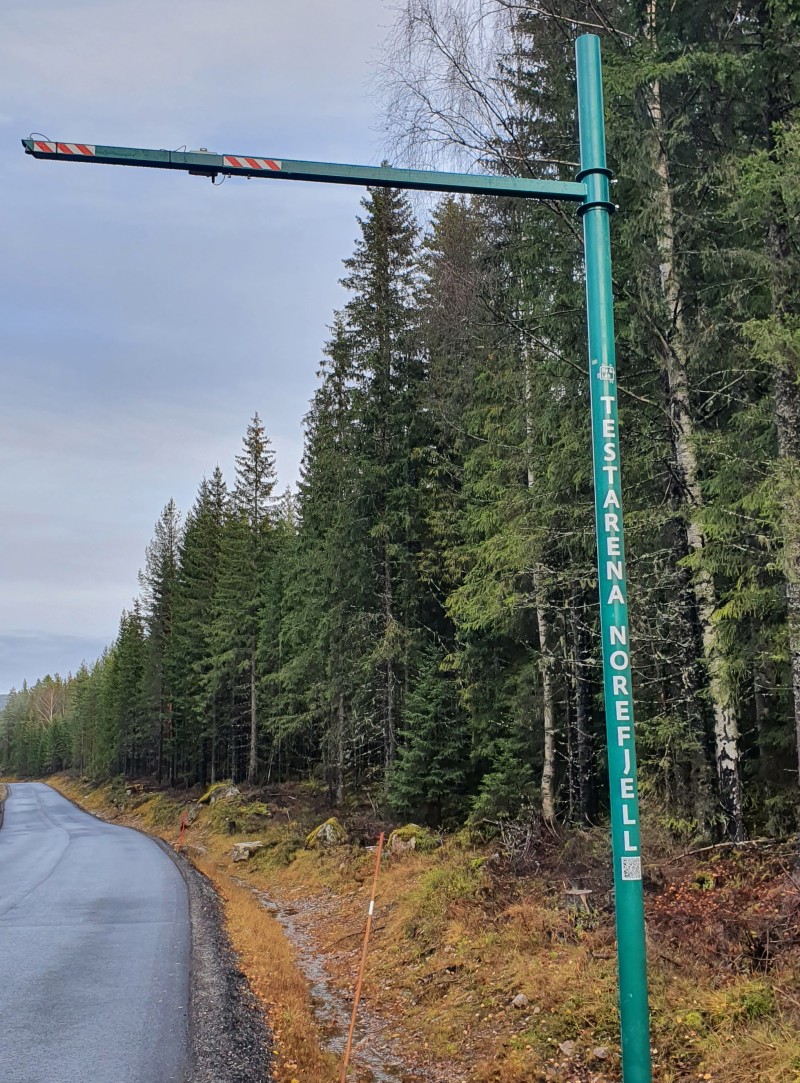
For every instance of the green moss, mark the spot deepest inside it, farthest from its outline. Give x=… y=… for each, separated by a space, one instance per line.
x=734 y=1007
x=704 y=881
x=694 y=1021
x=330 y=833
x=214 y=789
x=280 y=847
x=468 y=838
x=161 y=812
x=457 y=879
x=223 y=813
x=753 y=1001
x=311 y=787
x=424 y=840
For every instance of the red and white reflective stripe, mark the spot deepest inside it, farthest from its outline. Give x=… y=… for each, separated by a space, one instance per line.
x=80 y=149
x=240 y=162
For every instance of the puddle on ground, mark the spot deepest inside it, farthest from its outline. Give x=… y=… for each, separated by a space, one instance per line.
x=371 y=1049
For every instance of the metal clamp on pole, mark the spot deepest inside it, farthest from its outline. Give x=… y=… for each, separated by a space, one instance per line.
x=594 y=171
x=596 y=180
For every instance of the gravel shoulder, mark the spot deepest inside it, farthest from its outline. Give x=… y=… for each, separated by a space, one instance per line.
x=229 y=1039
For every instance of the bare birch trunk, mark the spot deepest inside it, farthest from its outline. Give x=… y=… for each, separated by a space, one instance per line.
x=545 y=655
x=549 y=764
x=675 y=354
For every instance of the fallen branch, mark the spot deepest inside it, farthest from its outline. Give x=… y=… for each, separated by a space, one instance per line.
x=748 y=844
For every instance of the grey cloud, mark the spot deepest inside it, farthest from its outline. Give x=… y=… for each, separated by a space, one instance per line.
x=30 y=655
x=119 y=61
x=147 y=315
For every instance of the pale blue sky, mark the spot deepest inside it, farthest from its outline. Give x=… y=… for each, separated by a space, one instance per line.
x=145 y=315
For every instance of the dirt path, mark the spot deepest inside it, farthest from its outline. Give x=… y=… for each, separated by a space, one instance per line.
x=314 y=927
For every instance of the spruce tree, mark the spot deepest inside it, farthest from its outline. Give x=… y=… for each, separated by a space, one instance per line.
x=327 y=670
x=387 y=376
x=430 y=779
x=198 y=703
x=159 y=581
x=245 y=544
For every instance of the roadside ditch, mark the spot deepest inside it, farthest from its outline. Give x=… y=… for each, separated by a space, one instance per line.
x=373 y=1051
x=229 y=1036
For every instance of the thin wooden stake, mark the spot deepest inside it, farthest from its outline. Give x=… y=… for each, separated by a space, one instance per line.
x=370 y=912
x=183 y=828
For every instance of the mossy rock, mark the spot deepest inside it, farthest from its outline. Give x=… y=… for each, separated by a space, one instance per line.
x=217 y=790
x=331 y=833
x=411 y=837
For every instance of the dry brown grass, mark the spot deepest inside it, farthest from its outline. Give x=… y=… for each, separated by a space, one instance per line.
x=268 y=960
x=767 y=1053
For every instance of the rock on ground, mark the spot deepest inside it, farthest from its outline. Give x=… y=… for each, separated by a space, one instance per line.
x=243 y=851
x=331 y=833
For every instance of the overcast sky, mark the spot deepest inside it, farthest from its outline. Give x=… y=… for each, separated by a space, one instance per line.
x=145 y=315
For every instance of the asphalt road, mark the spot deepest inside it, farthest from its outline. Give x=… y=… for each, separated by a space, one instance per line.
x=94 y=949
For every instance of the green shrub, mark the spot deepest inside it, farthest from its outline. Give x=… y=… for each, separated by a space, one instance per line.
x=744 y=1004
x=455 y=880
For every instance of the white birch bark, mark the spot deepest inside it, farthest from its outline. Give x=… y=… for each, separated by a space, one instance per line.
x=675 y=354
x=545 y=655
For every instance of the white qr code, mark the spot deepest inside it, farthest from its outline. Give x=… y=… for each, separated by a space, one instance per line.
x=631 y=868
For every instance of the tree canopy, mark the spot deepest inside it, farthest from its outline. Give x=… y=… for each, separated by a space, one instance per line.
x=419 y=618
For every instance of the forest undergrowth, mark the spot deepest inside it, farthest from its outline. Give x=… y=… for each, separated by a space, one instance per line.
x=493 y=956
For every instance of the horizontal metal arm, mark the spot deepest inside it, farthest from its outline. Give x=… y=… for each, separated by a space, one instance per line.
x=240 y=165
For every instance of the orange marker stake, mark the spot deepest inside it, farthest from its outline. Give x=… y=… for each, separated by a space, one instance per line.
x=183 y=828
x=370 y=912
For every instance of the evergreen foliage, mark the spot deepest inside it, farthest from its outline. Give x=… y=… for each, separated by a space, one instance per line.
x=419 y=618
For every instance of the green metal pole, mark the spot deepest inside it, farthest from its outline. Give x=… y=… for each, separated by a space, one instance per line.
x=596 y=211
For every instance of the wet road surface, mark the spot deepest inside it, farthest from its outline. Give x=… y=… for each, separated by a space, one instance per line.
x=94 y=949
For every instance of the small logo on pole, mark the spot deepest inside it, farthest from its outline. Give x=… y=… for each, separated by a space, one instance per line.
x=607 y=372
